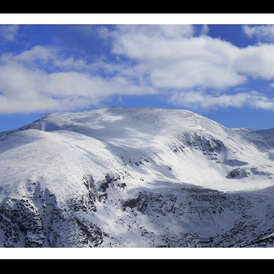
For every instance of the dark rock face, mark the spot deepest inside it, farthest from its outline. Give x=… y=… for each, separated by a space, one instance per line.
x=238 y=173
x=140 y=203
x=38 y=221
x=21 y=216
x=210 y=146
x=174 y=217
x=197 y=217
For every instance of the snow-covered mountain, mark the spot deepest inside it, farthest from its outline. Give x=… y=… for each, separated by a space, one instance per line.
x=140 y=177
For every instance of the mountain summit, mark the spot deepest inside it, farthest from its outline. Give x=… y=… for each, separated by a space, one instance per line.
x=140 y=177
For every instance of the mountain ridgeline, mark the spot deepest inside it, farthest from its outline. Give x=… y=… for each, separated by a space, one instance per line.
x=135 y=177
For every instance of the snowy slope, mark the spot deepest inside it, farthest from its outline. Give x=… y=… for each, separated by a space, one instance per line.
x=140 y=177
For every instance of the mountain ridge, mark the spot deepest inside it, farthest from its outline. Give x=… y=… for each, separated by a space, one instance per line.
x=141 y=177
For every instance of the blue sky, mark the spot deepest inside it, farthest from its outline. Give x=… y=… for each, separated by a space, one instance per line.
x=204 y=63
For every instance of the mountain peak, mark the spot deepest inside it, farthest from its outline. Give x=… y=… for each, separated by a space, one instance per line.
x=68 y=170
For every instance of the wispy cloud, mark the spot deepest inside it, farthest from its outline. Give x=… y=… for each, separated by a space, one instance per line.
x=41 y=80
x=9 y=32
x=208 y=101
x=191 y=70
x=261 y=32
x=205 y=29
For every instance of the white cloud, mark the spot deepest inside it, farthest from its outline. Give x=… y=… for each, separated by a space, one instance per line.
x=41 y=53
x=51 y=59
x=45 y=57
x=9 y=32
x=256 y=61
x=207 y=101
x=181 y=61
x=264 y=32
x=166 y=31
x=154 y=59
x=27 y=86
x=205 y=29
x=178 y=61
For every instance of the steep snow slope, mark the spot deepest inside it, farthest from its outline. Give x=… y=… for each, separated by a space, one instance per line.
x=140 y=177
x=176 y=144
